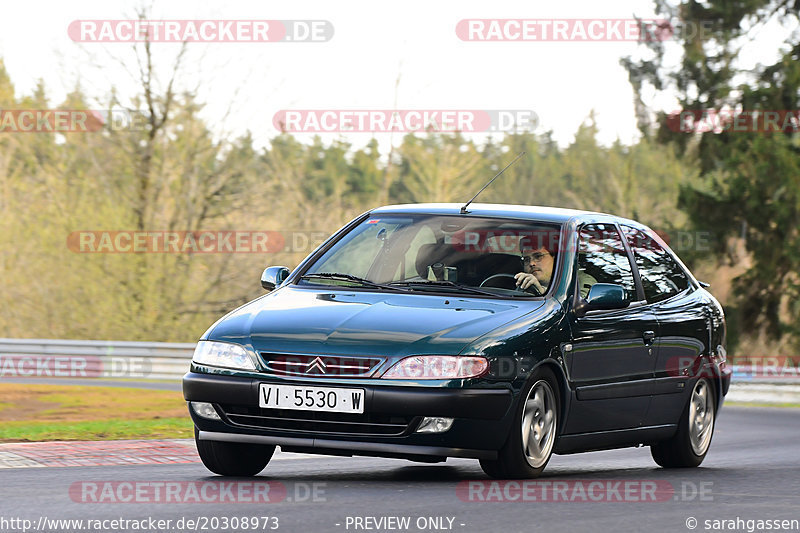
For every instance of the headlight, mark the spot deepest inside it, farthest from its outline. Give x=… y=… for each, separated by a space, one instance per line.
x=437 y=367
x=222 y=354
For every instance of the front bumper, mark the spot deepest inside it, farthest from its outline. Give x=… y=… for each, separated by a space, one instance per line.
x=482 y=419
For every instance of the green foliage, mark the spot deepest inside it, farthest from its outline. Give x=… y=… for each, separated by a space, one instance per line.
x=438 y=168
x=750 y=181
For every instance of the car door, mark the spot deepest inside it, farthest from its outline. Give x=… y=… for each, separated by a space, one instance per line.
x=611 y=358
x=683 y=322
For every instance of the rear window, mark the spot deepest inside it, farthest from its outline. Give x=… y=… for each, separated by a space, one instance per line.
x=662 y=276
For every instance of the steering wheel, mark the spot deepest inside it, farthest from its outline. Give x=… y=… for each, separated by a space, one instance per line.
x=503 y=281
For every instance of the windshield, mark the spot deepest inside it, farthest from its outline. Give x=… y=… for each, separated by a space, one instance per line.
x=485 y=256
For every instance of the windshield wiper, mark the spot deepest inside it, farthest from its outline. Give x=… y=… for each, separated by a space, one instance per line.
x=443 y=283
x=355 y=279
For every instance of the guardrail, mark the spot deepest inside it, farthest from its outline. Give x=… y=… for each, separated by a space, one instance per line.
x=766 y=375
x=169 y=361
x=94 y=359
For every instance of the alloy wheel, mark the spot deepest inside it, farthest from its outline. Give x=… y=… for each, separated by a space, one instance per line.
x=539 y=424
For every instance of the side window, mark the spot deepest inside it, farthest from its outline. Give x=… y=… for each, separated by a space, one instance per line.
x=662 y=277
x=602 y=259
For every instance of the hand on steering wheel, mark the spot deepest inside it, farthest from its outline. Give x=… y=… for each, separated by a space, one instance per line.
x=526 y=281
x=512 y=283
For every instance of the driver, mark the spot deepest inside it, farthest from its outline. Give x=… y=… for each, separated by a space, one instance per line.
x=537 y=264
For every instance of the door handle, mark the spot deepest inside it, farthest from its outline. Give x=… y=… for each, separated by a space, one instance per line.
x=649 y=336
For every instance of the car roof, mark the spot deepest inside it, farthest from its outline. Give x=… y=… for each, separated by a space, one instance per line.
x=525 y=212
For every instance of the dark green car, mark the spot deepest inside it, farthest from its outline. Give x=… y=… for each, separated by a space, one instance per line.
x=501 y=333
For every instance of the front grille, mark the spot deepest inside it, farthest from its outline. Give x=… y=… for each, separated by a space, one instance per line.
x=317 y=422
x=319 y=365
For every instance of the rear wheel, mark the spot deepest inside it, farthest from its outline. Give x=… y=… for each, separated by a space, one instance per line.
x=689 y=446
x=233 y=458
x=530 y=444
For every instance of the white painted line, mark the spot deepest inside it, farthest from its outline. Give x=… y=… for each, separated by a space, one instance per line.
x=12 y=460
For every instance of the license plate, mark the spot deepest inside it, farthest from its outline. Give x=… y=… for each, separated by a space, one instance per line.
x=327 y=399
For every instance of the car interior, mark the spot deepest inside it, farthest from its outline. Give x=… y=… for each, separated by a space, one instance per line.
x=471 y=268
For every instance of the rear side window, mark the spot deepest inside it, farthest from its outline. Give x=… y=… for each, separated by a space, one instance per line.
x=602 y=259
x=662 y=277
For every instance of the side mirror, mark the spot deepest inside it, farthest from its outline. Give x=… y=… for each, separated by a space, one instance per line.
x=603 y=296
x=273 y=277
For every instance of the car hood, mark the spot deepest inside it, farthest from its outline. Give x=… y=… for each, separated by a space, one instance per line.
x=306 y=321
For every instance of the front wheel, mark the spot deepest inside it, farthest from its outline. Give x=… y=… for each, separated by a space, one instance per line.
x=530 y=444
x=689 y=446
x=233 y=458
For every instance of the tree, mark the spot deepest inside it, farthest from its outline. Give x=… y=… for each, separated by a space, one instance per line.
x=438 y=168
x=749 y=179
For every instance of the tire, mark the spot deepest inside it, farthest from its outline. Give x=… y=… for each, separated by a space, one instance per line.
x=233 y=458
x=690 y=444
x=536 y=418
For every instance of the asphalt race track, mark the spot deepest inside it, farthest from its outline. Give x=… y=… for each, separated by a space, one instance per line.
x=752 y=473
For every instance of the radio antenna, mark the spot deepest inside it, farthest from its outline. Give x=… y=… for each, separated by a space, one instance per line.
x=464 y=208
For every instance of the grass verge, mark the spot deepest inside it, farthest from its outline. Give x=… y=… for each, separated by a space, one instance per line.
x=65 y=412
x=166 y=428
x=763 y=404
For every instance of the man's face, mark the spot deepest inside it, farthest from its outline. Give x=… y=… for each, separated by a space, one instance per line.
x=539 y=263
